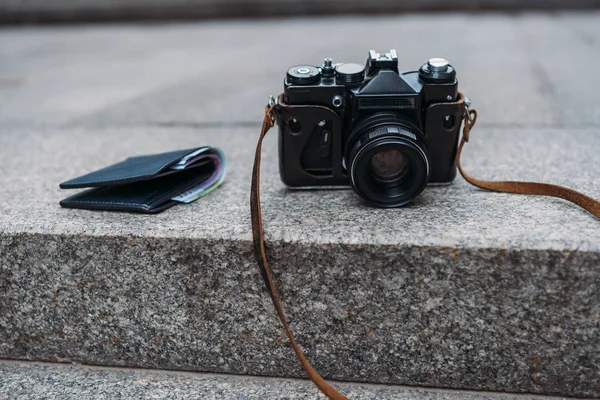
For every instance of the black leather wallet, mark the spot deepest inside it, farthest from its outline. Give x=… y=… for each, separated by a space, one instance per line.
x=149 y=184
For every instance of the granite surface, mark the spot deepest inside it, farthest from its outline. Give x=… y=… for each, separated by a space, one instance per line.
x=489 y=319
x=26 y=381
x=463 y=289
x=457 y=216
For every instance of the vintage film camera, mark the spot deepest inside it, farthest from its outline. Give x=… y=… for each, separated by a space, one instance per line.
x=384 y=132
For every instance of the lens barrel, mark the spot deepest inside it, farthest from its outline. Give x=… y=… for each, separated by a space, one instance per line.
x=387 y=160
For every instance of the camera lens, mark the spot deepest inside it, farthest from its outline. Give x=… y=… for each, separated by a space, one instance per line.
x=389 y=166
x=387 y=160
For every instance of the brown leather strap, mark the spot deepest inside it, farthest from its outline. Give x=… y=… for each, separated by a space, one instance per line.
x=470 y=116
x=261 y=257
x=535 y=188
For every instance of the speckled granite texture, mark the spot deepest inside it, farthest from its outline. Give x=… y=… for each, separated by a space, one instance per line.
x=26 y=381
x=463 y=289
x=491 y=319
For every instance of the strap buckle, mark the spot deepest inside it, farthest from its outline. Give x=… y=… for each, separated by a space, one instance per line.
x=469 y=119
x=271 y=108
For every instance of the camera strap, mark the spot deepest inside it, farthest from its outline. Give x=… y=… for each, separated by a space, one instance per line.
x=535 y=188
x=469 y=118
x=260 y=253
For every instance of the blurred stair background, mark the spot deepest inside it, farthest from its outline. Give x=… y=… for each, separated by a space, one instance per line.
x=37 y=11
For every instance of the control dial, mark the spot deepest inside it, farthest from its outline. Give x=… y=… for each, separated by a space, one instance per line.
x=346 y=74
x=437 y=70
x=303 y=75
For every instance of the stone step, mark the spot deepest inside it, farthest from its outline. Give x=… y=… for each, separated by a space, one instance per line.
x=23 y=381
x=463 y=289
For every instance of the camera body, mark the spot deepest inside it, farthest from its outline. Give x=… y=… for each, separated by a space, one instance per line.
x=370 y=126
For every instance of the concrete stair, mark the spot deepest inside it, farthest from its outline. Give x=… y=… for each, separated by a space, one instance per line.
x=19 y=380
x=464 y=289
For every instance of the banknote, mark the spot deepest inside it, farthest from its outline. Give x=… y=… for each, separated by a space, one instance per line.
x=216 y=157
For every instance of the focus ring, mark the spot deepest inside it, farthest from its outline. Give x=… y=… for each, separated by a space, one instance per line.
x=379 y=138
